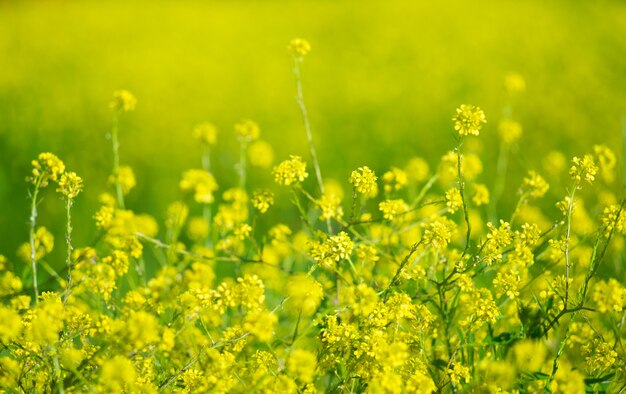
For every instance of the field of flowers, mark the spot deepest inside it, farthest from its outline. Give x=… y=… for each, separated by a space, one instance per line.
x=439 y=209
x=410 y=280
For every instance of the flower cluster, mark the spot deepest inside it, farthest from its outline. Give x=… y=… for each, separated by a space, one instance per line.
x=443 y=284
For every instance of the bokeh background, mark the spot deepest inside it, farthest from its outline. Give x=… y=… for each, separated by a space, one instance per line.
x=381 y=83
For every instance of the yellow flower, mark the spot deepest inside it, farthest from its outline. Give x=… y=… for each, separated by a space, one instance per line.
x=117 y=375
x=261 y=154
x=609 y=296
x=304 y=294
x=126 y=178
x=417 y=169
x=392 y=208
x=201 y=183
x=584 y=168
x=205 y=133
x=47 y=167
x=364 y=180
x=459 y=372
x=290 y=171
x=534 y=185
x=481 y=194
x=10 y=324
x=262 y=200
x=510 y=131
x=529 y=355
x=247 y=130
x=123 y=100
x=261 y=323
x=299 y=47
x=395 y=179
x=302 y=364
x=330 y=206
x=454 y=201
x=468 y=120
x=44 y=243
x=514 y=83
x=70 y=185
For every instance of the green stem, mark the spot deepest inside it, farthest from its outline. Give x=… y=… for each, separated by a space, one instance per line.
x=206 y=208
x=242 y=164
x=32 y=224
x=307 y=124
x=68 y=244
x=462 y=192
x=116 y=160
x=570 y=209
x=57 y=370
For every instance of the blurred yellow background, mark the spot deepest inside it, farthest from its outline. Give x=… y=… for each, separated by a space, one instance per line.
x=381 y=83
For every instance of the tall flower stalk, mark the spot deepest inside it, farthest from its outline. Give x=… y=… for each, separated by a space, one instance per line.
x=123 y=101
x=70 y=185
x=46 y=168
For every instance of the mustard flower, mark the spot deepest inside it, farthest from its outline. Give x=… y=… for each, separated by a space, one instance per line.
x=206 y=133
x=47 y=167
x=262 y=200
x=364 y=180
x=247 y=130
x=417 y=169
x=290 y=171
x=514 y=83
x=199 y=182
x=599 y=356
x=393 y=208
x=299 y=48
x=583 y=169
x=261 y=154
x=438 y=232
x=454 y=201
x=302 y=365
x=304 y=294
x=534 y=185
x=70 y=185
x=330 y=206
x=606 y=162
x=123 y=100
x=126 y=178
x=510 y=131
x=609 y=296
x=481 y=194
x=395 y=179
x=468 y=120
x=459 y=373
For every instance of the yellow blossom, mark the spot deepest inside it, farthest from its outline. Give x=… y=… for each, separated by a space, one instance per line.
x=468 y=120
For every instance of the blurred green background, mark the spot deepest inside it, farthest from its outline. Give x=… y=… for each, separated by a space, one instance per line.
x=381 y=83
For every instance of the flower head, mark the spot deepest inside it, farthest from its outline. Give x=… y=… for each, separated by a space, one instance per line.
x=364 y=180
x=206 y=133
x=247 y=130
x=47 y=167
x=468 y=120
x=290 y=171
x=299 y=47
x=70 y=185
x=123 y=100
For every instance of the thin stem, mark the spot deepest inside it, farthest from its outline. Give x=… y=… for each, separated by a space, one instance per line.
x=116 y=160
x=462 y=192
x=206 y=208
x=307 y=125
x=32 y=224
x=69 y=249
x=242 y=164
x=570 y=209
